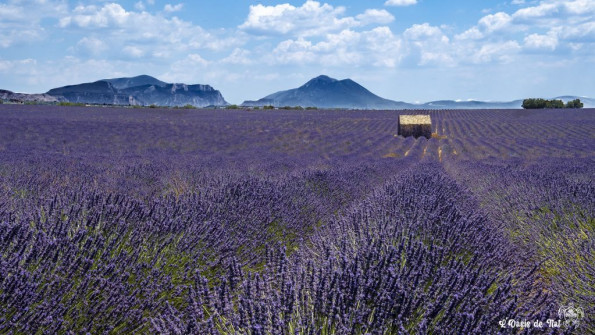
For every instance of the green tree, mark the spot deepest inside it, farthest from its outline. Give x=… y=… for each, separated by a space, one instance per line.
x=576 y=103
x=538 y=103
x=554 y=104
x=534 y=103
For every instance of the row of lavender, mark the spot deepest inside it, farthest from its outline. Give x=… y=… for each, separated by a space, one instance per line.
x=414 y=257
x=258 y=257
x=547 y=209
x=77 y=257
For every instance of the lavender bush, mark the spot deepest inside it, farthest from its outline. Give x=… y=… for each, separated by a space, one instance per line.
x=117 y=221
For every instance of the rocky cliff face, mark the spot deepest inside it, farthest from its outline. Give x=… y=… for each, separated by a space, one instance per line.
x=176 y=95
x=141 y=90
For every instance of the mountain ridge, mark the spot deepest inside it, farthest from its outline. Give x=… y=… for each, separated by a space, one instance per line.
x=141 y=90
x=321 y=92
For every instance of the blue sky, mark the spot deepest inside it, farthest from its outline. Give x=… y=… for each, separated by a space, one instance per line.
x=407 y=50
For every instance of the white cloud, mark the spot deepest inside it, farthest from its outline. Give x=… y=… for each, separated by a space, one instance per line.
x=91 y=45
x=437 y=58
x=133 y=51
x=472 y=33
x=380 y=16
x=489 y=25
x=21 y=21
x=142 y=34
x=518 y=2
x=173 y=8
x=384 y=46
x=580 y=7
x=536 y=41
x=400 y=2
x=186 y=70
x=547 y=25
x=579 y=33
x=238 y=56
x=376 y=47
x=422 y=31
x=196 y=59
x=109 y=15
x=294 y=51
x=139 y=6
x=529 y=13
x=428 y=46
x=495 y=22
x=502 y=52
x=8 y=66
x=310 y=19
x=552 y=12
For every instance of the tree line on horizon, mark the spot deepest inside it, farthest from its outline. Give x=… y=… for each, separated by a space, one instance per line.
x=554 y=103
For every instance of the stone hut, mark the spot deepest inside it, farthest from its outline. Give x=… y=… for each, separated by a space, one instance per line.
x=415 y=125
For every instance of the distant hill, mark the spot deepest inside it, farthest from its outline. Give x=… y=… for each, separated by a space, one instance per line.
x=470 y=104
x=10 y=96
x=326 y=92
x=141 y=90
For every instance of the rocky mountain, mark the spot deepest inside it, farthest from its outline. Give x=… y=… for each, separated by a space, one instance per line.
x=141 y=90
x=326 y=92
x=10 y=96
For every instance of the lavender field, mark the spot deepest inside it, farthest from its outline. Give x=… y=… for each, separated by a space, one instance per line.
x=173 y=221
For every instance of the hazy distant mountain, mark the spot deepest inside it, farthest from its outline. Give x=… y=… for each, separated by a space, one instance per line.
x=587 y=102
x=470 y=104
x=326 y=92
x=141 y=90
x=473 y=104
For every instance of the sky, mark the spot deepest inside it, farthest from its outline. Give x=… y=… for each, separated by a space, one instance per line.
x=404 y=50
